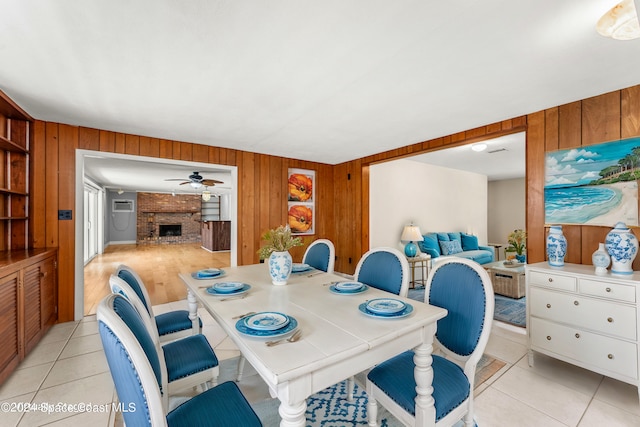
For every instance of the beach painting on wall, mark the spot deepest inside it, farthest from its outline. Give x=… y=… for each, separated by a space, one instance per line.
x=593 y=185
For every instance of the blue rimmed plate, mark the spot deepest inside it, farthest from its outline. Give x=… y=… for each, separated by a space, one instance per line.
x=242 y=290
x=227 y=287
x=208 y=273
x=360 y=290
x=404 y=313
x=266 y=321
x=385 y=306
x=300 y=268
x=245 y=330
x=349 y=286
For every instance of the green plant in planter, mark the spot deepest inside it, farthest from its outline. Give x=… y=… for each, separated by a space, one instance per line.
x=518 y=243
x=278 y=239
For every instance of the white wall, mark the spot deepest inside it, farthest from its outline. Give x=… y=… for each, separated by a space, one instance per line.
x=506 y=208
x=432 y=197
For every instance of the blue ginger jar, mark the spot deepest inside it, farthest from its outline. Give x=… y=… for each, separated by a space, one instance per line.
x=556 y=246
x=622 y=246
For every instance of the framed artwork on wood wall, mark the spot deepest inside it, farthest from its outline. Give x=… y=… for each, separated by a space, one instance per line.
x=301 y=201
x=593 y=185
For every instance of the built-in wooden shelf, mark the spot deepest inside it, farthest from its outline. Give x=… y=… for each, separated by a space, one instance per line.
x=15 y=193
x=7 y=145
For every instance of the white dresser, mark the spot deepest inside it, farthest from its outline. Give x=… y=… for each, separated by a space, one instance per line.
x=585 y=319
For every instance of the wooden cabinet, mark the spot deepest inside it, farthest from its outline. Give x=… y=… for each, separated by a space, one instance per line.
x=585 y=319
x=15 y=135
x=216 y=235
x=28 y=303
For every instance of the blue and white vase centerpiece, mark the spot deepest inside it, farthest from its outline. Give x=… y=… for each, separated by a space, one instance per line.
x=280 y=267
x=556 y=246
x=276 y=251
x=622 y=246
x=601 y=259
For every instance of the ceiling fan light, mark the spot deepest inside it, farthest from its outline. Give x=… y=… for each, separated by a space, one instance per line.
x=621 y=22
x=195 y=184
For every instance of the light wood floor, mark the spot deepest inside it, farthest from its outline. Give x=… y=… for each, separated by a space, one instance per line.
x=157 y=265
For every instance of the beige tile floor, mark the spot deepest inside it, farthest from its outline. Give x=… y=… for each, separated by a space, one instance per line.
x=68 y=366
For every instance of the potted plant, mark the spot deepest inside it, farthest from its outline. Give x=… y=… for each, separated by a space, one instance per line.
x=518 y=244
x=276 y=249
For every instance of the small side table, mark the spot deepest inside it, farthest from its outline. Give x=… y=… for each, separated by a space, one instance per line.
x=422 y=263
x=496 y=248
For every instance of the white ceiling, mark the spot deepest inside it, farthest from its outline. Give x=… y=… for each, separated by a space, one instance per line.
x=504 y=158
x=324 y=81
x=128 y=173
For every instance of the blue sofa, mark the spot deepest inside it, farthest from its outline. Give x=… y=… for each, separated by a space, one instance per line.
x=455 y=244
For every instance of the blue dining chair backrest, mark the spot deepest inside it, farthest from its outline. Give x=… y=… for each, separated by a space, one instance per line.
x=320 y=255
x=385 y=269
x=128 y=277
x=458 y=288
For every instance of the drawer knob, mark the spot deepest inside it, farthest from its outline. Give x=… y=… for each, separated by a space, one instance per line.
x=548 y=337
x=548 y=305
x=610 y=319
x=608 y=289
x=550 y=279
x=610 y=356
x=576 y=303
x=577 y=335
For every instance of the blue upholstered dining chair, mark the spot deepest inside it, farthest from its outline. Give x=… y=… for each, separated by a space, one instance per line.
x=386 y=269
x=462 y=287
x=141 y=380
x=172 y=325
x=190 y=361
x=321 y=255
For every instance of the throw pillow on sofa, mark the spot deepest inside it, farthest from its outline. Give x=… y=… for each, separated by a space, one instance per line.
x=451 y=248
x=469 y=242
x=430 y=242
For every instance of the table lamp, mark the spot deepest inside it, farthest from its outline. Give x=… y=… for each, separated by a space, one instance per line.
x=411 y=234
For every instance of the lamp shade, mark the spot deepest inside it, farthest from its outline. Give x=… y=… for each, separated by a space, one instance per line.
x=411 y=233
x=621 y=22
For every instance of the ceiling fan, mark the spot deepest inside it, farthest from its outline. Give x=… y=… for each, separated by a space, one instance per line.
x=196 y=181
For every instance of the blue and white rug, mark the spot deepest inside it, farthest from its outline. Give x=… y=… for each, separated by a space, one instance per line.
x=329 y=408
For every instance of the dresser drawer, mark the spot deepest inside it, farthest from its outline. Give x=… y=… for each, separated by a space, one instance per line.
x=602 y=353
x=551 y=280
x=607 y=317
x=607 y=290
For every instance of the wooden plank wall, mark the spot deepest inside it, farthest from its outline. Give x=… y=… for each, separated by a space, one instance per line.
x=261 y=179
x=604 y=118
x=342 y=190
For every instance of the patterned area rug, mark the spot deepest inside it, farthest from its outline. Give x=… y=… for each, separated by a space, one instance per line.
x=508 y=310
x=330 y=408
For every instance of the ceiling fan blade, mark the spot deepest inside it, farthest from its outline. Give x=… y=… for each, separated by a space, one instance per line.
x=175 y=179
x=186 y=182
x=211 y=182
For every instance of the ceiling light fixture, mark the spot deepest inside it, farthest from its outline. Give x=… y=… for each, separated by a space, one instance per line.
x=479 y=147
x=206 y=195
x=120 y=191
x=195 y=184
x=621 y=22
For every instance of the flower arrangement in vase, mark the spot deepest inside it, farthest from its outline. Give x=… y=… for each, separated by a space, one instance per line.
x=278 y=242
x=518 y=243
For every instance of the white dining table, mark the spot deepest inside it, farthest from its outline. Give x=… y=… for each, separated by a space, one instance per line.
x=337 y=340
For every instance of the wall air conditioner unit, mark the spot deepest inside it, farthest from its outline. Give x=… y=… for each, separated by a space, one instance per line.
x=122 y=205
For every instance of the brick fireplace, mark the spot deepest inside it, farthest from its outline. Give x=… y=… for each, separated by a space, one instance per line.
x=167 y=219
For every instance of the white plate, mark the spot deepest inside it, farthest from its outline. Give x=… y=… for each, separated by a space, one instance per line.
x=349 y=286
x=289 y=329
x=385 y=306
x=227 y=287
x=335 y=290
x=212 y=291
x=266 y=321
